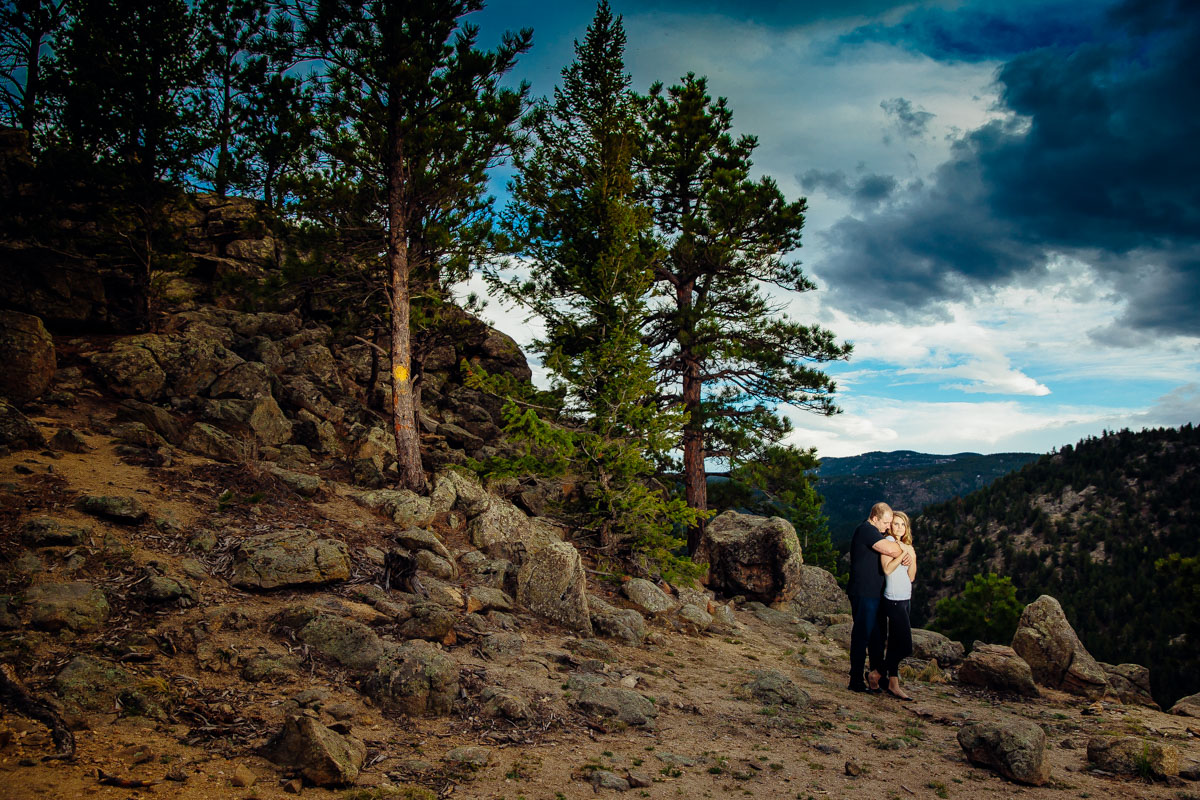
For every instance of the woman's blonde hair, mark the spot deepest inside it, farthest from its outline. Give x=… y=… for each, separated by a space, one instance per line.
x=907 y=535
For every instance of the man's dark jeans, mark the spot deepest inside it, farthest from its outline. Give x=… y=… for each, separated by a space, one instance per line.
x=866 y=614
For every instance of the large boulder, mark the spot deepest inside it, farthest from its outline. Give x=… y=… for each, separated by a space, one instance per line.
x=322 y=755
x=754 y=556
x=17 y=432
x=1130 y=683
x=772 y=688
x=1129 y=755
x=347 y=642
x=130 y=371
x=502 y=529
x=997 y=667
x=1015 y=748
x=90 y=684
x=647 y=597
x=407 y=509
x=458 y=491
x=157 y=419
x=289 y=558
x=931 y=644
x=211 y=441
x=625 y=624
x=77 y=606
x=415 y=678
x=1187 y=706
x=29 y=361
x=151 y=365
x=819 y=594
x=1053 y=651
x=552 y=584
x=624 y=705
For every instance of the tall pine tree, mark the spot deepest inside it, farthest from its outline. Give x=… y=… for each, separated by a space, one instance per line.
x=576 y=218
x=415 y=118
x=724 y=347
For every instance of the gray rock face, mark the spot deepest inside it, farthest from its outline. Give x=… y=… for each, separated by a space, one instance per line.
x=347 y=642
x=931 y=644
x=502 y=646
x=247 y=381
x=17 y=432
x=694 y=618
x=429 y=621
x=1187 y=706
x=68 y=440
x=773 y=688
x=130 y=371
x=29 y=360
x=1130 y=683
x=117 y=509
x=502 y=529
x=783 y=620
x=159 y=420
x=755 y=556
x=157 y=588
x=420 y=539
x=323 y=756
x=997 y=667
x=1053 y=651
x=624 y=705
x=407 y=509
x=500 y=702
x=552 y=584
x=301 y=483
x=457 y=491
x=89 y=683
x=485 y=598
x=289 y=558
x=819 y=594
x=648 y=598
x=625 y=624
x=77 y=606
x=1015 y=748
x=1129 y=755
x=415 y=678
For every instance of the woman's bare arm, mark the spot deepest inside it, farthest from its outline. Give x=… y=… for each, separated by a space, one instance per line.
x=912 y=568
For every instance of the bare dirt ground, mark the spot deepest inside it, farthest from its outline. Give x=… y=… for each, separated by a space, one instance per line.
x=709 y=739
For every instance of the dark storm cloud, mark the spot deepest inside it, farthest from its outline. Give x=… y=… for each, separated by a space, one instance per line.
x=865 y=192
x=910 y=122
x=981 y=31
x=775 y=13
x=1100 y=161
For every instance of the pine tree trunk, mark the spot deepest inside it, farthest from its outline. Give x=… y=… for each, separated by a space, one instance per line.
x=695 y=479
x=408 y=453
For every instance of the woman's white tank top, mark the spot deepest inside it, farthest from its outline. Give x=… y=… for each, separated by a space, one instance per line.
x=897 y=586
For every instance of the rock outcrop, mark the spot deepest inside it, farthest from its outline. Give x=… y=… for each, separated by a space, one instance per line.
x=1130 y=683
x=29 y=358
x=999 y=668
x=289 y=558
x=1129 y=755
x=1048 y=643
x=754 y=556
x=1015 y=748
x=323 y=756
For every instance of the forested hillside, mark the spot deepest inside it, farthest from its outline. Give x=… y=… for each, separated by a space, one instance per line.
x=906 y=479
x=1108 y=527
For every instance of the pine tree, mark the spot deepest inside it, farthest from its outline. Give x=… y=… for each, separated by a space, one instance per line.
x=576 y=218
x=724 y=346
x=25 y=27
x=415 y=117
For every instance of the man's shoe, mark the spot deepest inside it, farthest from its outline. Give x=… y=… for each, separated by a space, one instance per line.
x=859 y=687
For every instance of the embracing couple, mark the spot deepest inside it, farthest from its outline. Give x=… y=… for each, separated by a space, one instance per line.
x=883 y=565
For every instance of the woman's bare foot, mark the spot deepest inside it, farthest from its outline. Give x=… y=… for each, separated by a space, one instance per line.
x=893 y=688
x=873 y=678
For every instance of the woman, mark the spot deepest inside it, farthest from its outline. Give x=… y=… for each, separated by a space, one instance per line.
x=893 y=624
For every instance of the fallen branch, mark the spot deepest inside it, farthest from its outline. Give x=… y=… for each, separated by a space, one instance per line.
x=14 y=695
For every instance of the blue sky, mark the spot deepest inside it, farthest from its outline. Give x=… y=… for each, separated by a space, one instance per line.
x=1004 y=199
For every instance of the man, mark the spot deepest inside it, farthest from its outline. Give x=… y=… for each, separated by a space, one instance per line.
x=866 y=590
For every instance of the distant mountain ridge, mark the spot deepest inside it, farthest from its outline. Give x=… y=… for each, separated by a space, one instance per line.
x=1108 y=527
x=906 y=480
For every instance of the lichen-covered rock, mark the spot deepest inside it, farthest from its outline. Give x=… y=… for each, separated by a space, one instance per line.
x=693 y=618
x=500 y=702
x=647 y=597
x=624 y=705
x=347 y=642
x=247 y=381
x=420 y=539
x=69 y=440
x=429 y=621
x=1187 y=706
x=90 y=684
x=415 y=678
x=77 y=606
x=155 y=587
x=323 y=756
x=773 y=688
x=137 y=434
x=501 y=646
x=783 y=620
x=931 y=644
x=457 y=491
x=289 y=558
x=130 y=371
x=502 y=529
x=157 y=419
x=1015 y=748
x=1129 y=755
x=552 y=584
x=755 y=556
x=625 y=624
x=407 y=509
x=29 y=359
x=49 y=532
x=17 y=432
x=1130 y=683
x=211 y=441
x=486 y=598
x=819 y=594
x=115 y=508
x=267 y=422
x=997 y=667
x=301 y=483
x=1053 y=651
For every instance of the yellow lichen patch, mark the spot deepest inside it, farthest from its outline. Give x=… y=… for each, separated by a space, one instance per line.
x=400 y=373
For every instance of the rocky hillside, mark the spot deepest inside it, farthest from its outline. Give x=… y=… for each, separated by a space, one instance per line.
x=907 y=480
x=1094 y=525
